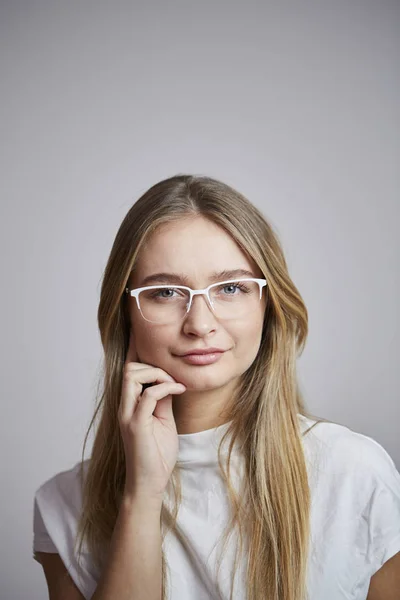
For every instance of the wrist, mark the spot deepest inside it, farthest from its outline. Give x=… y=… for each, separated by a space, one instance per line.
x=145 y=501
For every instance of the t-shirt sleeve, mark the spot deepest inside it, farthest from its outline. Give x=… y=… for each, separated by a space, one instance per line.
x=379 y=525
x=42 y=542
x=57 y=507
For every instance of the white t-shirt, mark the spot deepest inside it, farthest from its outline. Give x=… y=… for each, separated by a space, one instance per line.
x=355 y=516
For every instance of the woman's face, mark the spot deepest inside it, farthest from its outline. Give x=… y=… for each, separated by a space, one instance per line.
x=196 y=248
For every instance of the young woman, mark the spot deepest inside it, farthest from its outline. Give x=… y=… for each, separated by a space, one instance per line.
x=208 y=478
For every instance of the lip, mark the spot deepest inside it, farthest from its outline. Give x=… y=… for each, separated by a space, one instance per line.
x=202 y=351
x=206 y=358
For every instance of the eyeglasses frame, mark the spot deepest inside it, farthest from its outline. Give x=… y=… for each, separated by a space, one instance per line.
x=134 y=293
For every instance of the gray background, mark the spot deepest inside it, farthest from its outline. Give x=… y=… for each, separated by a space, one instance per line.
x=295 y=104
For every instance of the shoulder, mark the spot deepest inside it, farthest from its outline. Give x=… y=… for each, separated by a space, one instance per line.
x=57 y=508
x=64 y=482
x=61 y=494
x=58 y=504
x=355 y=481
x=342 y=449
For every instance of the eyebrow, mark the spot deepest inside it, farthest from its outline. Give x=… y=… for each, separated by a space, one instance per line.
x=181 y=278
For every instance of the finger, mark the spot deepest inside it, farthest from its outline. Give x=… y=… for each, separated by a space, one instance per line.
x=132 y=387
x=164 y=409
x=158 y=375
x=148 y=402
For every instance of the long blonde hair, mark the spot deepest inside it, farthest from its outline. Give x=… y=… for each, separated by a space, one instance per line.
x=273 y=510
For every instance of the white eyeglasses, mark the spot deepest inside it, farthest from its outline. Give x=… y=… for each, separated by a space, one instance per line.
x=158 y=308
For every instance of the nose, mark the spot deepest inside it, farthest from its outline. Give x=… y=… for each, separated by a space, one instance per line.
x=200 y=315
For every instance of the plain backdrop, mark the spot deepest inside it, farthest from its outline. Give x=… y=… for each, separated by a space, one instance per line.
x=294 y=104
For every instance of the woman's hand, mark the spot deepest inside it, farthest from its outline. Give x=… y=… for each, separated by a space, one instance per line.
x=147 y=427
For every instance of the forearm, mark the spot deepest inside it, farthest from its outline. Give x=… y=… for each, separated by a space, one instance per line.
x=133 y=569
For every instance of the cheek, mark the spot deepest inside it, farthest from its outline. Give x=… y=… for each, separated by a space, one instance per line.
x=153 y=341
x=247 y=341
x=248 y=334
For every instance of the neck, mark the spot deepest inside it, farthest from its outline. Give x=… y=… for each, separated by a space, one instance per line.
x=196 y=411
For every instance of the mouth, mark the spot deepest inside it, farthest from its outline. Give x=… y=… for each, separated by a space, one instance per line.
x=202 y=352
x=207 y=358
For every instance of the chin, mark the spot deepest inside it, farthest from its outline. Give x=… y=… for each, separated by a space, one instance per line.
x=207 y=382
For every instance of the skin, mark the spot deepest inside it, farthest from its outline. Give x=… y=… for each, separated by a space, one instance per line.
x=385 y=584
x=196 y=247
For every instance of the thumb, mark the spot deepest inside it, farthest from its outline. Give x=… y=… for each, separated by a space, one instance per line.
x=163 y=409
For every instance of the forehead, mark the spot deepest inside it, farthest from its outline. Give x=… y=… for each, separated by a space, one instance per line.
x=196 y=247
